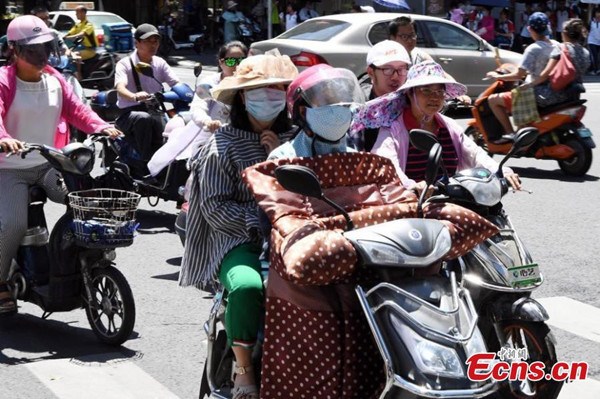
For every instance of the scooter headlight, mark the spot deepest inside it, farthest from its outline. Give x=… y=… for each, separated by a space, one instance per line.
x=431 y=357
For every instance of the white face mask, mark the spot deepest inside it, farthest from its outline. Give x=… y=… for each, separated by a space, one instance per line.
x=330 y=122
x=264 y=104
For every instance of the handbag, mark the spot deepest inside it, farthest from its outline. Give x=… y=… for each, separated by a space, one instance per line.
x=524 y=106
x=564 y=71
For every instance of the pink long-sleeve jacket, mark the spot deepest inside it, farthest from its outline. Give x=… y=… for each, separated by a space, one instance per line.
x=73 y=110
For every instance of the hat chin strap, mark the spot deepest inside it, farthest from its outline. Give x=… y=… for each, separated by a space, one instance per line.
x=425 y=118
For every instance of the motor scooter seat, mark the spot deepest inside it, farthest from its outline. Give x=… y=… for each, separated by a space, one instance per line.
x=37 y=194
x=555 y=107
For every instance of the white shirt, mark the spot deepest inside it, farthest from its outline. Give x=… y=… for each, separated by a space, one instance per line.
x=594 y=34
x=33 y=117
x=291 y=20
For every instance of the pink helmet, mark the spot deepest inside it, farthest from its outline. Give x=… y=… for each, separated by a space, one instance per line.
x=29 y=29
x=322 y=85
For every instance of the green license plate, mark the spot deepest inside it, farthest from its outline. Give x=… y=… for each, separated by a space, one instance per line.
x=584 y=132
x=524 y=276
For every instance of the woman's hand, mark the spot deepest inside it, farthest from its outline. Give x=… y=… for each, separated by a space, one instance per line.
x=213 y=125
x=420 y=186
x=269 y=140
x=493 y=75
x=464 y=99
x=11 y=145
x=514 y=180
x=112 y=132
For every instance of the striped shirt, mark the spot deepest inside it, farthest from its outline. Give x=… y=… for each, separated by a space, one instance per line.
x=222 y=212
x=416 y=161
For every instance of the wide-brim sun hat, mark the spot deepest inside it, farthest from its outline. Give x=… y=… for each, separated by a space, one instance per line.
x=431 y=73
x=29 y=29
x=254 y=72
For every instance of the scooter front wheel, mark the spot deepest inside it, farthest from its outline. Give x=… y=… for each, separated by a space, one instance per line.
x=538 y=340
x=580 y=163
x=111 y=312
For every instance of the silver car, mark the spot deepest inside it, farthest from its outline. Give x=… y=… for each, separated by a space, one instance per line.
x=344 y=40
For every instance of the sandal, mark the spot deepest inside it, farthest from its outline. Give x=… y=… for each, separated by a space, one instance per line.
x=8 y=305
x=245 y=392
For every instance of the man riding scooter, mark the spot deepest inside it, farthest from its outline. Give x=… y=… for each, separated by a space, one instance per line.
x=87 y=49
x=141 y=123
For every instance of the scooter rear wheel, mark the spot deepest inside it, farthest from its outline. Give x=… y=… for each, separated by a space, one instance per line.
x=111 y=313
x=537 y=338
x=580 y=163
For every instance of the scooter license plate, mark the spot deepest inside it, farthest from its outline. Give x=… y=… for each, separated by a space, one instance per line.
x=584 y=132
x=524 y=276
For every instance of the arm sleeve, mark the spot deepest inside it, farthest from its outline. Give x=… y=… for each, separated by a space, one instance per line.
x=121 y=72
x=167 y=74
x=470 y=154
x=385 y=146
x=217 y=188
x=199 y=108
x=79 y=114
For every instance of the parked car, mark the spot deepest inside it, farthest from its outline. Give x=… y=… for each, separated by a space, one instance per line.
x=63 y=21
x=344 y=40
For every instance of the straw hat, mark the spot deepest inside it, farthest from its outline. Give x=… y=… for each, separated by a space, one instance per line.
x=431 y=73
x=256 y=71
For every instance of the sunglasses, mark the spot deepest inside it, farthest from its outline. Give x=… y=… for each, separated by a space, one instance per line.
x=232 y=61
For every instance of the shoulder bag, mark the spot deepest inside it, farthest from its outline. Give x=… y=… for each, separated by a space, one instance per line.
x=564 y=71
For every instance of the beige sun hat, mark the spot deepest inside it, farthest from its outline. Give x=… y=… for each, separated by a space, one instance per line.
x=256 y=71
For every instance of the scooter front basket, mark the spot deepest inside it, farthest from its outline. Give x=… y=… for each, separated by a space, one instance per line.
x=104 y=218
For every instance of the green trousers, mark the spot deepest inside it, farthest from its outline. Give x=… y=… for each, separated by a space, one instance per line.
x=240 y=275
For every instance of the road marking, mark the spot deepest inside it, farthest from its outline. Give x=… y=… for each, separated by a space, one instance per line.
x=583 y=389
x=86 y=377
x=573 y=316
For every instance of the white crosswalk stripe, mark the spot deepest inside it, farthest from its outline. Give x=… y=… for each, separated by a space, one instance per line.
x=573 y=316
x=586 y=389
x=68 y=379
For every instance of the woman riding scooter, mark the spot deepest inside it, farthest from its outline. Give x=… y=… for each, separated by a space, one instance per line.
x=423 y=95
x=223 y=240
x=317 y=343
x=29 y=80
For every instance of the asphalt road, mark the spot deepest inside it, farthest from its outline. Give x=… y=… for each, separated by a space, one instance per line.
x=60 y=357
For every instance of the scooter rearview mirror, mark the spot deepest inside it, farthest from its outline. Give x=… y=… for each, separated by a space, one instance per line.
x=299 y=179
x=524 y=138
x=197 y=69
x=433 y=163
x=422 y=139
x=145 y=69
x=302 y=180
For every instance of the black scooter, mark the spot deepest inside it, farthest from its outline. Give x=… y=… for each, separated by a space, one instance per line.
x=122 y=163
x=72 y=266
x=500 y=273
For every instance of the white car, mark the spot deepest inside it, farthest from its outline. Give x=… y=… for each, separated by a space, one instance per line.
x=63 y=21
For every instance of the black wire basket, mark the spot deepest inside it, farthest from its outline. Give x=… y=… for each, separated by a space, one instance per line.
x=104 y=217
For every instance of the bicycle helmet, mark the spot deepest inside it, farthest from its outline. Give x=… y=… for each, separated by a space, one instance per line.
x=32 y=39
x=322 y=85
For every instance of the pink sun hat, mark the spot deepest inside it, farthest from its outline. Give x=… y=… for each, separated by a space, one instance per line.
x=29 y=29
